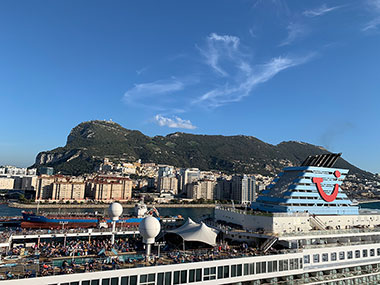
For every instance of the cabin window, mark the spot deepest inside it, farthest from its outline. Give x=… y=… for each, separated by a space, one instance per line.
x=220 y=272
x=84 y=282
x=239 y=270
x=106 y=281
x=372 y=252
x=191 y=275
x=306 y=259
x=198 y=275
x=115 y=281
x=160 y=278
x=333 y=256
x=283 y=265
x=246 y=269
x=183 y=277
x=272 y=266
x=95 y=282
x=341 y=255
x=168 y=278
x=261 y=267
x=357 y=253
x=349 y=255
x=176 y=277
x=233 y=270
x=378 y=251
x=133 y=280
x=365 y=253
x=252 y=268
x=325 y=257
x=315 y=258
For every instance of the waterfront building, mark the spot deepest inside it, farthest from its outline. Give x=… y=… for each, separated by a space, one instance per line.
x=223 y=189
x=109 y=188
x=203 y=189
x=44 y=187
x=186 y=177
x=168 y=184
x=6 y=183
x=68 y=189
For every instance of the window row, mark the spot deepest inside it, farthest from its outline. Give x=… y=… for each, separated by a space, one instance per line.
x=342 y=255
x=197 y=275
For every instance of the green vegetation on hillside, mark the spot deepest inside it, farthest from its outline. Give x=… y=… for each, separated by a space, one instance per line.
x=89 y=142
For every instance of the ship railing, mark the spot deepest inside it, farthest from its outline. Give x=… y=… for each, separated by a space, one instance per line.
x=7 y=236
x=25 y=269
x=337 y=244
x=259 y=213
x=332 y=232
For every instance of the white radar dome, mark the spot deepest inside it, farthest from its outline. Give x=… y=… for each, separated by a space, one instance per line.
x=115 y=210
x=149 y=228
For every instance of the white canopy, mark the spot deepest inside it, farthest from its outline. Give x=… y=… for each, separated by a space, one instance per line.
x=192 y=231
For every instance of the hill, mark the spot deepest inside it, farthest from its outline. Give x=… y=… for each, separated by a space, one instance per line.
x=89 y=142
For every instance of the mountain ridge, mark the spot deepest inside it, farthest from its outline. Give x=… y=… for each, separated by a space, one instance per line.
x=89 y=142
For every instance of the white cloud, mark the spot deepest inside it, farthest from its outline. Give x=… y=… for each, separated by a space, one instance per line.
x=295 y=31
x=245 y=75
x=175 y=122
x=374 y=6
x=262 y=73
x=320 y=11
x=152 y=88
x=219 y=46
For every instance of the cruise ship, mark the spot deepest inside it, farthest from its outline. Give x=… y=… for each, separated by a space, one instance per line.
x=303 y=229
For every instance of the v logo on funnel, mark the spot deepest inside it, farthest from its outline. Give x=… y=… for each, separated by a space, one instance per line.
x=332 y=196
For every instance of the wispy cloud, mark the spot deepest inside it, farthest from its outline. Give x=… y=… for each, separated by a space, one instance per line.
x=295 y=31
x=219 y=46
x=320 y=11
x=374 y=5
x=174 y=122
x=254 y=76
x=156 y=87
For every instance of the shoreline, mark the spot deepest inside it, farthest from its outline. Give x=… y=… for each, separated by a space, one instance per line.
x=369 y=201
x=102 y=206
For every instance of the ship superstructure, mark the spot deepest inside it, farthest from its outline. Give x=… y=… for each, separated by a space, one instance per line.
x=302 y=230
x=313 y=187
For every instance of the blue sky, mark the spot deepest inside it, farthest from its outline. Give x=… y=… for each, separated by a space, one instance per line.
x=277 y=70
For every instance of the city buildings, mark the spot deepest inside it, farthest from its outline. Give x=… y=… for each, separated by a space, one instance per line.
x=203 y=189
x=187 y=176
x=168 y=184
x=109 y=188
x=17 y=178
x=243 y=189
x=67 y=188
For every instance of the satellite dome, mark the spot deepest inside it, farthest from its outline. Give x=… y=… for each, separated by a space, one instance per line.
x=115 y=210
x=149 y=228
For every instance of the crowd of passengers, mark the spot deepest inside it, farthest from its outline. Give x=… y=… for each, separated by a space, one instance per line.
x=54 y=249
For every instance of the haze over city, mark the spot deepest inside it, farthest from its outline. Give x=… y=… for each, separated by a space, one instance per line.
x=276 y=70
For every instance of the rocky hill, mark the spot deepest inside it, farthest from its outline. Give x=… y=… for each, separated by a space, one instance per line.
x=89 y=142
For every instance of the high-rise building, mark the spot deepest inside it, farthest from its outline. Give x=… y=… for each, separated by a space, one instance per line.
x=187 y=176
x=223 y=189
x=203 y=189
x=168 y=184
x=44 y=187
x=243 y=189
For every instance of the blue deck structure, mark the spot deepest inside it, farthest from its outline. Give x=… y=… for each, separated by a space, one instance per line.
x=313 y=187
